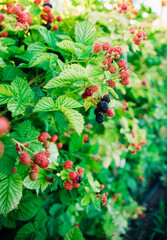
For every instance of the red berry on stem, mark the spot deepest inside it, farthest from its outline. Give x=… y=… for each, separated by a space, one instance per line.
x=25 y=159
x=110 y=113
x=97 y=47
x=47 y=153
x=106 y=45
x=43 y=136
x=68 y=185
x=72 y=175
x=111 y=83
x=14 y=170
x=33 y=176
x=59 y=145
x=81 y=170
x=94 y=88
x=4 y=125
x=50 y=180
x=54 y=138
x=2 y=17
x=58 y=18
x=68 y=164
x=47 y=9
x=55 y=27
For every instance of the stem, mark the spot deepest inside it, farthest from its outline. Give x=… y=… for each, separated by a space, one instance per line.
x=22 y=145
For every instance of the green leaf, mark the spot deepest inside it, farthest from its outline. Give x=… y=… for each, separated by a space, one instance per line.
x=40 y=183
x=111 y=90
x=66 y=102
x=75 y=73
x=7 y=93
x=7 y=41
x=67 y=46
x=36 y=47
x=9 y=73
x=49 y=37
x=24 y=97
x=85 y=32
x=76 y=142
x=35 y=10
x=94 y=184
x=74 y=234
x=75 y=118
x=2 y=63
x=96 y=201
x=95 y=72
x=103 y=89
x=40 y=58
x=80 y=46
x=28 y=207
x=85 y=201
x=87 y=104
x=8 y=159
x=10 y=192
x=45 y=104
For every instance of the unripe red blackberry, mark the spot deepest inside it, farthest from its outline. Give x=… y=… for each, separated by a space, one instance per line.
x=97 y=47
x=68 y=164
x=50 y=180
x=72 y=175
x=125 y=74
x=14 y=170
x=139 y=34
x=44 y=17
x=46 y=145
x=23 y=17
x=124 y=6
x=8 y=4
x=25 y=158
x=111 y=69
x=20 y=25
x=138 y=42
x=47 y=153
x=9 y=10
x=104 y=200
x=4 y=34
x=45 y=165
x=59 y=145
x=122 y=63
x=102 y=106
x=47 y=9
x=30 y=21
x=111 y=83
x=33 y=176
x=34 y=168
x=102 y=186
x=88 y=92
x=2 y=17
x=107 y=60
x=110 y=113
x=58 y=18
x=133 y=145
x=51 y=15
x=138 y=148
x=68 y=185
x=1 y=149
x=106 y=45
x=81 y=170
x=106 y=98
x=84 y=96
x=43 y=137
x=4 y=125
x=53 y=138
x=40 y=158
x=76 y=185
x=99 y=117
x=55 y=27
x=85 y=138
x=16 y=10
x=133 y=152
x=94 y=88
x=125 y=82
x=37 y=2
x=135 y=38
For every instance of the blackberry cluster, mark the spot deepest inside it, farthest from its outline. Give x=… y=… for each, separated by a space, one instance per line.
x=102 y=108
x=47 y=4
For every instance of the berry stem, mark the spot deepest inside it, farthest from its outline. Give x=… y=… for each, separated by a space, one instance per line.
x=22 y=145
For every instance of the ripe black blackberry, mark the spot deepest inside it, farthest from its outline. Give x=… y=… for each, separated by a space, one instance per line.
x=48 y=26
x=100 y=117
x=47 y=4
x=106 y=98
x=79 y=179
x=103 y=106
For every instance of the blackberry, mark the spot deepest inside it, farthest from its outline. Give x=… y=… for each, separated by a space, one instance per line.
x=79 y=179
x=103 y=106
x=48 y=26
x=127 y=108
x=48 y=4
x=100 y=118
x=106 y=98
x=96 y=111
